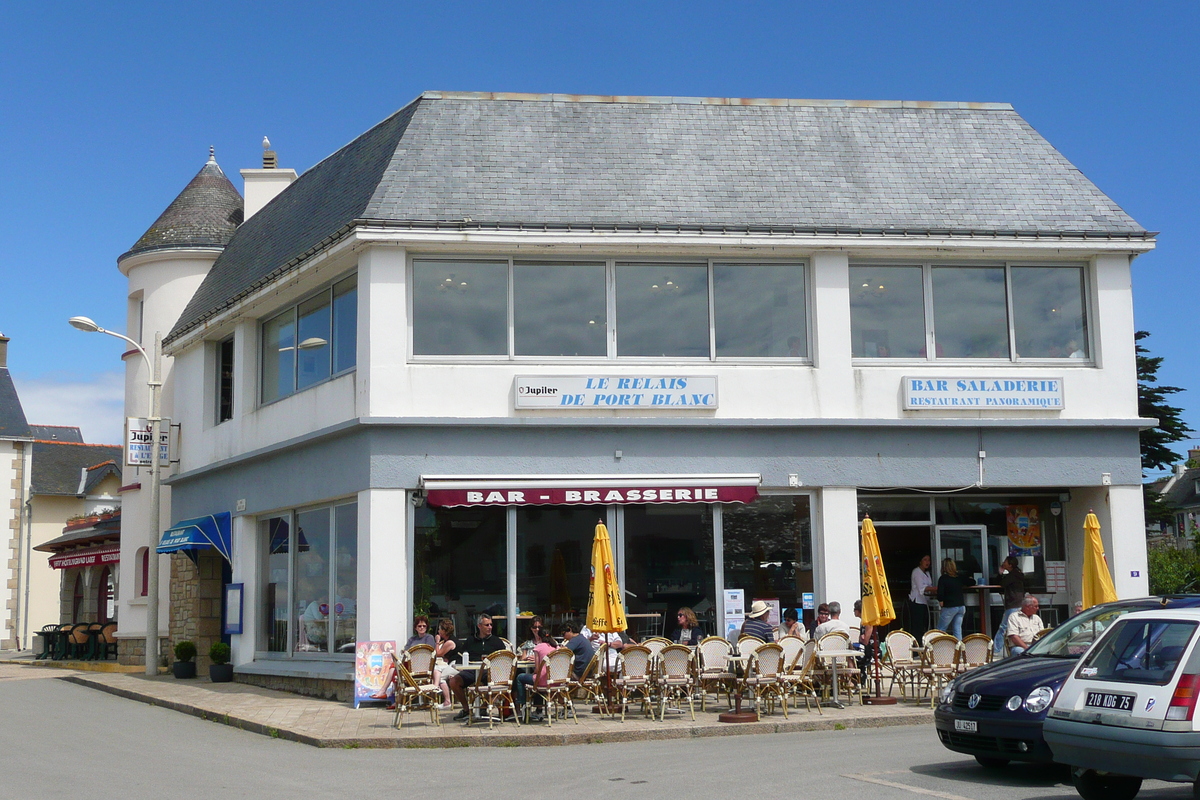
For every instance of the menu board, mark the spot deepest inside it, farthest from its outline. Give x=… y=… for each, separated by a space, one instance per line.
x=372 y=672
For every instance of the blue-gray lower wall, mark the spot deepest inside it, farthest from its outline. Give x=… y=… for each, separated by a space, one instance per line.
x=355 y=457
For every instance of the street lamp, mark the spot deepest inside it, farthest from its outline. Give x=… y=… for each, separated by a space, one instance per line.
x=153 y=369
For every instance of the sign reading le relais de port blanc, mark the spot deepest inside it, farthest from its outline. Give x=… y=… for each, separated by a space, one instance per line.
x=995 y=394
x=616 y=391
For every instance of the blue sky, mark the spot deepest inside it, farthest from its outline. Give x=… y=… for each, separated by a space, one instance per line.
x=108 y=111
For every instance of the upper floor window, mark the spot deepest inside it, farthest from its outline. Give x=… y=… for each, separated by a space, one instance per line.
x=613 y=309
x=225 y=380
x=968 y=312
x=310 y=342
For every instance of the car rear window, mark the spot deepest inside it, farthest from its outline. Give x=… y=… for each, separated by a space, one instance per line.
x=1075 y=636
x=1139 y=651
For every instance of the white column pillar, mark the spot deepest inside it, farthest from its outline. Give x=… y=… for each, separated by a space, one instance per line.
x=831 y=342
x=246 y=571
x=1125 y=541
x=835 y=547
x=382 y=332
x=383 y=595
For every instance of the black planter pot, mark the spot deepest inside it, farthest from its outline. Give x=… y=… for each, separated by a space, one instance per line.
x=221 y=673
x=184 y=669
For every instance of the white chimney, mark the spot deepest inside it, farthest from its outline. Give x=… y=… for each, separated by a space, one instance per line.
x=264 y=185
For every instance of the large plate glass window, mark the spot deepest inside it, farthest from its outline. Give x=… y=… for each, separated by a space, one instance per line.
x=307 y=343
x=460 y=308
x=887 y=312
x=759 y=311
x=669 y=561
x=460 y=565
x=310 y=592
x=662 y=310
x=559 y=309
x=768 y=549
x=554 y=560
x=1049 y=318
x=970 y=312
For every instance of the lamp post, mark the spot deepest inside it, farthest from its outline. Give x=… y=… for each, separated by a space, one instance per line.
x=153 y=370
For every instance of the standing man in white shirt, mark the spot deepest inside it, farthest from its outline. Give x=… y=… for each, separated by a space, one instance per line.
x=918 y=605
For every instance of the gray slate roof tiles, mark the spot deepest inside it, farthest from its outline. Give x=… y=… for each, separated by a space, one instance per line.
x=57 y=466
x=205 y=214
x=477 y=161
x=13 y=424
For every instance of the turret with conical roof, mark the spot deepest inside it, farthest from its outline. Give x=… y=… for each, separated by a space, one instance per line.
x=205 y=214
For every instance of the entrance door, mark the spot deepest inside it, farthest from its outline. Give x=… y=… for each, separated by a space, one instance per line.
x=967 y=545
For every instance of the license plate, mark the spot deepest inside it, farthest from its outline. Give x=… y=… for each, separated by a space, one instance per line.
x=1109 y=701
x=966 y=725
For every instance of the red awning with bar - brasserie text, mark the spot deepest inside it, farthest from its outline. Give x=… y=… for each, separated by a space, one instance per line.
x=86 y=558
x=577 y=490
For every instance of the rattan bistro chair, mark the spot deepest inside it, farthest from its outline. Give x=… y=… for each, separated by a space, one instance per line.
x=762 y=677
x=675 y=678
x=495 y=693
x=976 y=651
x=715 y=674
x=411 y=692
x=900 y=660
x=940 y=663
x=421 y=658
x=559 y=685
x=635 y=679
x=796 y=678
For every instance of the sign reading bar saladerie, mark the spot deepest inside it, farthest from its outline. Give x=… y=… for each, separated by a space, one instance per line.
x=617 y=391
x=583 y=496
x=996 y=394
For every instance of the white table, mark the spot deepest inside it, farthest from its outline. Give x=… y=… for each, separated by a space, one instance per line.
x=827 y=655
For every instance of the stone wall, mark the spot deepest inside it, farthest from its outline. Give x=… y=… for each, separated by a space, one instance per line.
x=196 y=603
x=11 y=552
x=133 y=651
x=324 y=688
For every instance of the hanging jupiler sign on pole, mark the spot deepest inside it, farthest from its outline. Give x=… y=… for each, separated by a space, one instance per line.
x=137 y=442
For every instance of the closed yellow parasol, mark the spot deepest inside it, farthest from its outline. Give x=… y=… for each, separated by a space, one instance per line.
x=877 y=608
x=1097 y=581
x=605 y=611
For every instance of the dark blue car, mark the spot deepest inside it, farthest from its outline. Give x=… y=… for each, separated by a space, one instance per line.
x=995 y=712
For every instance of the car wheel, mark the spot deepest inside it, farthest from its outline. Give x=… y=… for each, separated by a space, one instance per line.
x=1091 y=785
x=991 y=763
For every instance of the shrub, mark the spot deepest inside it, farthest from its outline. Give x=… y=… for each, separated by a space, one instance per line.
x=219 y=653
x=185 y=650
x=1173 y=570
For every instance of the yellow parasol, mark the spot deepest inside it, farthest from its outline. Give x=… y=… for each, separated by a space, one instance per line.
x=1097 y=582
x=877 y=608
x=605 y=611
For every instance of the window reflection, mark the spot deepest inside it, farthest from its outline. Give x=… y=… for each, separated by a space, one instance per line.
x=760 y=310
x=669 y=561
x=768 y=549
x=313 y=331
x=275 y=535
x=1048 y=312
x=970 y=312
x=887 y=312
x=345 y=324
x=554 y=560
x=460 y=308
x=460 y=565
x=313 y=604
x=662 y=310
x=559 y=310
x=345 y=609
x=278 y=356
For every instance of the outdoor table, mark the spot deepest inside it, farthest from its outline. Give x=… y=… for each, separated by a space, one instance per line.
x=985 y=605
x=835 y=655
x=49 y=643
x=737 y=715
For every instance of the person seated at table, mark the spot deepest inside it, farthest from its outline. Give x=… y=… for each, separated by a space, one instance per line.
x=865 y=635
x=545 y=646
x=581 y=646
x=421 y=634
x=791 y=624
x=444 y=650
x=834 y=623
x=538 y=633
x=616 y=641
x=1023 y=626
x=820 y=617
x=474 y=648
x=688 y=631
x=756 y=622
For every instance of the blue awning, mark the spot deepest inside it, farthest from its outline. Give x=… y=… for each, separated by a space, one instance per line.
x=215 y=530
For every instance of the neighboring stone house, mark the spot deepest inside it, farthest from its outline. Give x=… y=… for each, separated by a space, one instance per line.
x=1181 y=491
x=15 y=451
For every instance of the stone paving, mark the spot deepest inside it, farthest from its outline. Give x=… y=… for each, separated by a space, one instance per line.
x=324 y=723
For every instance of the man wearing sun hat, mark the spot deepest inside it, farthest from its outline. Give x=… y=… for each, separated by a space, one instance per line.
x=756 y=622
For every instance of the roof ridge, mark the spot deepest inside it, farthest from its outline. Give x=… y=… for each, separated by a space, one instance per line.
x=782 y=102
x=74 y=444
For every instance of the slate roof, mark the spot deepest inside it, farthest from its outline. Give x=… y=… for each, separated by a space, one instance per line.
x=58 y=466
x=205 y=214
x=12 y=417
x=471 y=161
x=57 y=433
x=1185 y=491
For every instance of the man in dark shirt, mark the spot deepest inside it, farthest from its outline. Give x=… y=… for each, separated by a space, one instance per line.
x=579 y=645
x=474 y=647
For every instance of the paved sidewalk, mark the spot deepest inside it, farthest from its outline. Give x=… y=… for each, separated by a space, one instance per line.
x=324 y=723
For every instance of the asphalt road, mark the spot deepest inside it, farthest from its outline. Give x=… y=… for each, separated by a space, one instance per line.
x=62 y=740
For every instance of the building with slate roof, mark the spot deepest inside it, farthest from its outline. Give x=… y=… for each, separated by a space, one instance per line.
x=1181 y=491
x=418 y=373
x=15 y=436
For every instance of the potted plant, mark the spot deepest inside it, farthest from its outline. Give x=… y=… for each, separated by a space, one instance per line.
x=221 y=670
x=184 y=666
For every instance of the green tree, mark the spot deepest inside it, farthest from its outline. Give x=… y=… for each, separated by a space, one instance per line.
x=1172 y=570
x=1152 y=402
